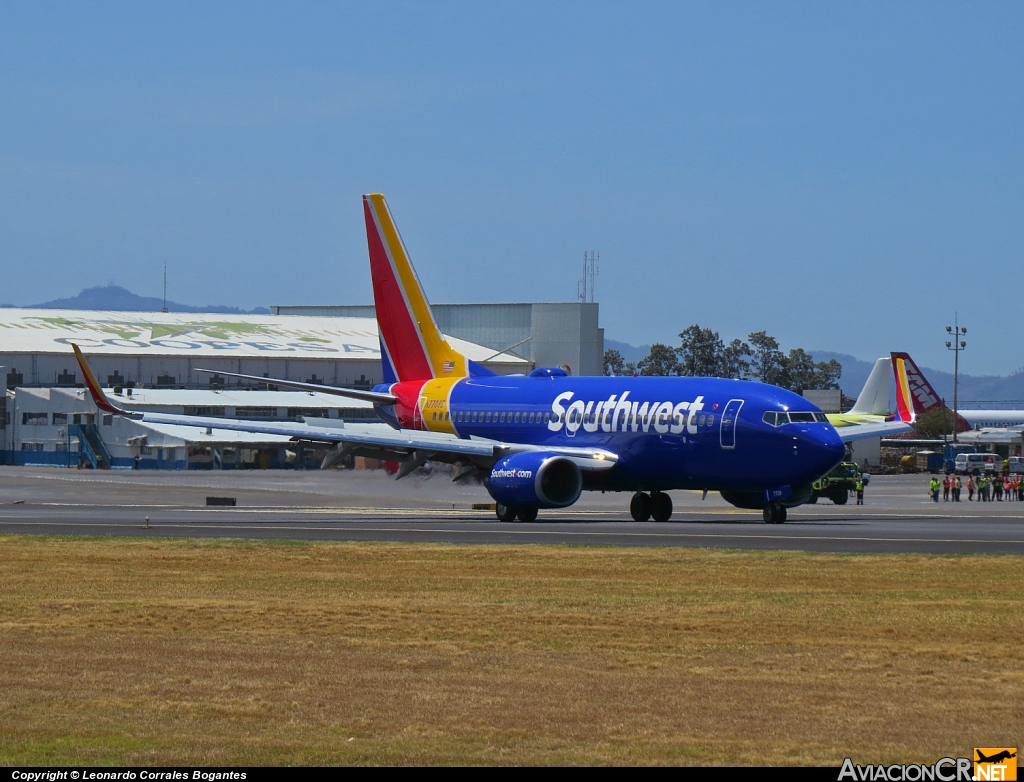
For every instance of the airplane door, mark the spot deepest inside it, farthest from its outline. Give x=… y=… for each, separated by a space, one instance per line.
x=729 y=418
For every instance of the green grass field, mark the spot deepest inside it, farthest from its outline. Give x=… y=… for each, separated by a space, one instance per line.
x=124 y=651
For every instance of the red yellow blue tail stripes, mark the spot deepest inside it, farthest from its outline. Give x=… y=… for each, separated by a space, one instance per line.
x=904 y=401
x=408 y=331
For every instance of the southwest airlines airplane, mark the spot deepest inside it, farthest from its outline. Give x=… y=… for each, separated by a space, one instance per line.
x=539 y=441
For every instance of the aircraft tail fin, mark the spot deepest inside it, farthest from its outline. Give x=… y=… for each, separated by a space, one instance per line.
x=412 y=345
x=914 y=394
x=874 y=397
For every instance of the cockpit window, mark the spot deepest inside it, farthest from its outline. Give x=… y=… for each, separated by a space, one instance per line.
x=780 y=419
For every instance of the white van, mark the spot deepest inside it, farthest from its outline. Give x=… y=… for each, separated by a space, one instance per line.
x=1017 y=464
x=977 y=463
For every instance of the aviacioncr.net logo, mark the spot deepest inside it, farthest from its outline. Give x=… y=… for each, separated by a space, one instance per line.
x=943 y=770
x=995 y=764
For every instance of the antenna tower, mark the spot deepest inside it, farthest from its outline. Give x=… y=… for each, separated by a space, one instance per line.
x=585 y=288
x=164 y=308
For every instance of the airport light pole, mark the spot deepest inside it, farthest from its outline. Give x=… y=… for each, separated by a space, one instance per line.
x=956 y=345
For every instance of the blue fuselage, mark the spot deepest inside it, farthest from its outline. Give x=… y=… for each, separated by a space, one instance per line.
x=668 y=433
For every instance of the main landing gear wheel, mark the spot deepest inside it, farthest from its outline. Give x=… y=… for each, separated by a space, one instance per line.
x=640 y=507
x=774 y=513
x=661 y=506
x=527 y=514
x=505 y=512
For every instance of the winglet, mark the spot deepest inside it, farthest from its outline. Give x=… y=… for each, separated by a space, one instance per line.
x=93 y=385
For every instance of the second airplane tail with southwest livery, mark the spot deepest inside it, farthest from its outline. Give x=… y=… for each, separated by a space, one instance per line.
x=412 y=346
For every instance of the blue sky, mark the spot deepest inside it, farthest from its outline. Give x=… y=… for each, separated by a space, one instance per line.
x=844 y=176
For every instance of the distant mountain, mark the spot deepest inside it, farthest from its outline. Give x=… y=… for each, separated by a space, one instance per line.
x=975 y=391
x=628 y=352
x=118 y=299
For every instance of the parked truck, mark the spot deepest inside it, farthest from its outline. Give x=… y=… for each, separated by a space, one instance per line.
x=838 y=484
x=978 y=464
x=950 y=452
x=929 y=461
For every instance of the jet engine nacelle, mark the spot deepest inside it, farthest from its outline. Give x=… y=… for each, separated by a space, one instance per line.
x=536 y=478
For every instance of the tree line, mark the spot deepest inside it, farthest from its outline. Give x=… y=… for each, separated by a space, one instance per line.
x=703 y=353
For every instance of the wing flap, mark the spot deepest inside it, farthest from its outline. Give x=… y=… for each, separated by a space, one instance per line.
x=862 y=431
x=382 y=439
x=376 y=397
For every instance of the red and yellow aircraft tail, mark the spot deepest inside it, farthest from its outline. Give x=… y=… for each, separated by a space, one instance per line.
x=914 y=394
x=412 y=345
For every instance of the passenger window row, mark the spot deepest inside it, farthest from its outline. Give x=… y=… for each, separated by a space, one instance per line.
x=490 y=416
x=502 y=417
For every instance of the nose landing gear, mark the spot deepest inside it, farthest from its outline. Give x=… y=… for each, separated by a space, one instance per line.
x=774 y=513
x=656 y=505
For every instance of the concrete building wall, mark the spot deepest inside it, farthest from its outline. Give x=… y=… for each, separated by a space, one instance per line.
x=546 y=334
x=495 y=326
x=567 y=334
x=828 y=400
x=869 y=449
x=6 y=408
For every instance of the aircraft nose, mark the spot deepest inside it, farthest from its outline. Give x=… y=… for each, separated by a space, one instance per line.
x=828 y=446
x=820 y=449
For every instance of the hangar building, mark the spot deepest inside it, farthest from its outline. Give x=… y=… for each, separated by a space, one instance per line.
x=547 y=335
x=45 y=417
x=336 y=345
x=165 y=349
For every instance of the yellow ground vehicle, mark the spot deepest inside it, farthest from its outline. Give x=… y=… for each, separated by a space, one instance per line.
x=837 y=485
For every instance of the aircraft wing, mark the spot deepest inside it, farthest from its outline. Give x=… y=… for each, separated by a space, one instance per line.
x=376 y=397
x=881 y=429
x=408 y=447
x=383 y=442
